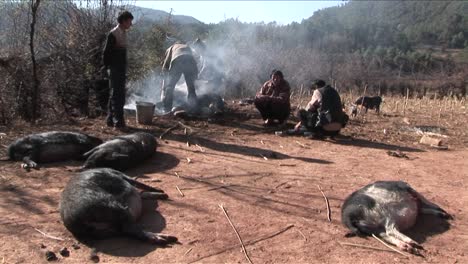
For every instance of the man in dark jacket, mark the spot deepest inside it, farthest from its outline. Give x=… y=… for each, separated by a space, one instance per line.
x=324 y=114
x=115 y=59
x=273 y=99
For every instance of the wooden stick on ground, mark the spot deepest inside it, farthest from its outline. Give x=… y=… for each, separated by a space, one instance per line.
x=248 y=243
x=49 y=236
x=287 y=165
x=390 y=247
x=364 y=246
x=200 y=148
x=237 y=233
x=328 y=204
x=181 y=193
x=188 y=251
x=168 y=130
x=186 y=127
x=300 y=144
x=302 y=234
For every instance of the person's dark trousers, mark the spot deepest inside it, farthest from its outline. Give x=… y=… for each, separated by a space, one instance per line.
x=102 y=94
x=182 y=65
x=272 y=109
x=308 y=119
x=115 y=111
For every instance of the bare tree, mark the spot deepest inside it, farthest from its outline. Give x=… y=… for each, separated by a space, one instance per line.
x=35 y=94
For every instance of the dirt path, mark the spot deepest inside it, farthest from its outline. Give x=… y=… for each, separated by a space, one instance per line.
x=268 y=186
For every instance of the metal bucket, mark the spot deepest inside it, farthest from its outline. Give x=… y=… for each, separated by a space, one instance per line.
x=144 y=112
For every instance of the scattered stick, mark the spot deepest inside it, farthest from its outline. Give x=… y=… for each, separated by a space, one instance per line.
x=364 y=246
x=186 y=127
x=177 y=174
x=188 y=144
x=390 y=247
x=181 y=193
x=327 y=203
x=281 y=184
x=237 y=233
x=188 y=251
x=261 y=141
x=49 y=236
x=247 y=244
x=152 y=180
x=300 y=144
x=168 y=130
x=287 y=165
x=265 y=158
x=189 y=160
x=302 y=234
x=200 y=148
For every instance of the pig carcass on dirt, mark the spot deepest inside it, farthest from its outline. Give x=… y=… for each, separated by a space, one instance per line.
x=100 y=203
x=385 y=208
x=51 y=147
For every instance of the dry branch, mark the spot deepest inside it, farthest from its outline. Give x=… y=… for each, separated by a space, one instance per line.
x=247 y=244
x=188 y=251
x=364 y=246
x=237 y=233
x=168 y=130
x=49 y=236
x=327 y=203
x=300 y=144
x=181 y=193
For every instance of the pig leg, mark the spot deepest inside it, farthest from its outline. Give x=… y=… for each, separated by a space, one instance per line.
x=28 y=163
x=154 y=196
x=393 y=236
x=136 y=231
x=436 y=211
x=141 y=186
x=428 y=207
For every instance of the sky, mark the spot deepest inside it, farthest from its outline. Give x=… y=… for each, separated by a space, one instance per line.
x=283 y=12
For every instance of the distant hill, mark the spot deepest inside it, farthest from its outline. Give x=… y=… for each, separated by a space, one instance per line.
x=437 y=23
x=160 y=16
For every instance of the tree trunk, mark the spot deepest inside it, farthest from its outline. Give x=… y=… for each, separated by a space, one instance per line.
x=35 y=91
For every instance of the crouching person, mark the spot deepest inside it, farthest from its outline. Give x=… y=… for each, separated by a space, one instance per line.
x=323 y=115
x=273 y=99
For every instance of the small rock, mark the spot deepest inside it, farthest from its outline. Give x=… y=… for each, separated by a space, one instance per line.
x=50 y=256
x=64 y=252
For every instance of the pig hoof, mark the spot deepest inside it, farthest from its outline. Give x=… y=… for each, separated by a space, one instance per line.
x=160 y=239
x=446 y=216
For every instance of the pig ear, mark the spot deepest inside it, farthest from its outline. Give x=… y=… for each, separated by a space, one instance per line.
x=115 y=156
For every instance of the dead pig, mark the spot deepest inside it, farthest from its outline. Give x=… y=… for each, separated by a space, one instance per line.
x=100 y=203
x=385 y=208
x=121 y=152
x=51 y=147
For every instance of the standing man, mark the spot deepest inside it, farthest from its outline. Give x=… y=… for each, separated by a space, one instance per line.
x=180 y=60
x=115 y=60
x=324 y=114
x=272 y=101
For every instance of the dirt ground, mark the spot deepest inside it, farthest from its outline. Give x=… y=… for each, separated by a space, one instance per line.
x=267 y=184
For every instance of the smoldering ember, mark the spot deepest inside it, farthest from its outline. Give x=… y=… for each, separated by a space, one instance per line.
x=142 y=131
